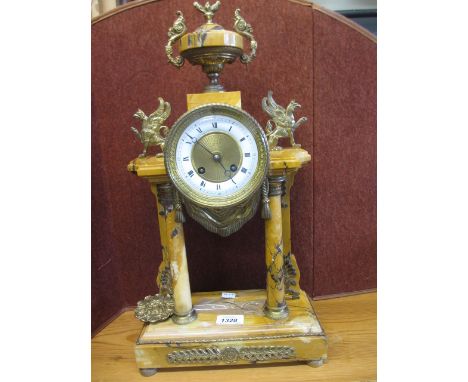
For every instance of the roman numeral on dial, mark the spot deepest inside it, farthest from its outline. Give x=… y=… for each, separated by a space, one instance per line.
x=199 y=130
x=190 y=173
x=215 y=125
x=203 y=183
x=218 y=187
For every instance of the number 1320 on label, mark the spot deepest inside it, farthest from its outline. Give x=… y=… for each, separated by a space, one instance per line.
x=233 y=319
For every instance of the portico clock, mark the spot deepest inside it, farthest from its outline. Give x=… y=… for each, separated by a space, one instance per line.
x=218 y=165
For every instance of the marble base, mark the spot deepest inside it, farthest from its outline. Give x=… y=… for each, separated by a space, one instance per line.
x=298 y=337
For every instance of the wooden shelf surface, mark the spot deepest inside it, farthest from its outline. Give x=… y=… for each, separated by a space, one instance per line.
x=350 y=323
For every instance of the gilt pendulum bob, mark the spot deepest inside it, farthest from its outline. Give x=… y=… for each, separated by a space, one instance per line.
x=219 y=166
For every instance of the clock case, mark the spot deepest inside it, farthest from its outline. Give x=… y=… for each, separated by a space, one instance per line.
x=280 y=324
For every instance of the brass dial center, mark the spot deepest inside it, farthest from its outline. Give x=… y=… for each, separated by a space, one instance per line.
x=216 y=157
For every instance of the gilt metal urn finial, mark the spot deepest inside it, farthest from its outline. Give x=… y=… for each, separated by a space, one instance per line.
x=210 y=45
x=207 y=10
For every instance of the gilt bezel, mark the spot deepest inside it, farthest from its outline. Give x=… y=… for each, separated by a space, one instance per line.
x=194 y=195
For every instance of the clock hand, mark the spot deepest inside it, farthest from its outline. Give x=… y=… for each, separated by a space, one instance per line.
x=227 y=172
x=196 y=141
x=216 y=157
x=202 y=145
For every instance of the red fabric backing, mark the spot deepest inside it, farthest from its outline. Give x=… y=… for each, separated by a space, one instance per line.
x=345 y=243
x=129 y=71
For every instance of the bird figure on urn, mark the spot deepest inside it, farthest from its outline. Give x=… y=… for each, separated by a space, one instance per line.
x=208 y=10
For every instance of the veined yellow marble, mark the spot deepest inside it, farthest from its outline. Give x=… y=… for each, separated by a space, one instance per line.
x=162 y=234
x=300 y=331
x=200 y=99
x=288 y=158
x=292 y=287
x=210 y=35
x=149 y=167
x=274 y=257
x=178 y=263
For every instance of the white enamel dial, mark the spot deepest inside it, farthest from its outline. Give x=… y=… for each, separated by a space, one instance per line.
x=216 y=155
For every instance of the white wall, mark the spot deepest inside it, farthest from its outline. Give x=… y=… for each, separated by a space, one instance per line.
x=344 y=5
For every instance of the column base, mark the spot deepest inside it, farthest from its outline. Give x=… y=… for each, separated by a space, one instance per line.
x=276 y=313
x=182 y=320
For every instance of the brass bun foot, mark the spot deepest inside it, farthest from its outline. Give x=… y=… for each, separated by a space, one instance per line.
x=186 y=319
x=276 y=313
x=316 y=362
x=148 y=372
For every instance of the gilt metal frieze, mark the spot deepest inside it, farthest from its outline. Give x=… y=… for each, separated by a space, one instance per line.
x=230 y=354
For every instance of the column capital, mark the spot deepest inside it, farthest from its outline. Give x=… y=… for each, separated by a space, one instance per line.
x=166 y=196
x=276 y=183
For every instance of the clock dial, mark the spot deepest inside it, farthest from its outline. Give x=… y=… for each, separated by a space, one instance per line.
x=211 y=155
x=216 y=155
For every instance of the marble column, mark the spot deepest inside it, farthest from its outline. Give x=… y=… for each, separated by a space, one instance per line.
x=163 y=279
x=292 y=274
x=275 y=306
x=175 y=242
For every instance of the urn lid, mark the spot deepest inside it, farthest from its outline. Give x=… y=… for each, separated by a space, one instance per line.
x=208 y=35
